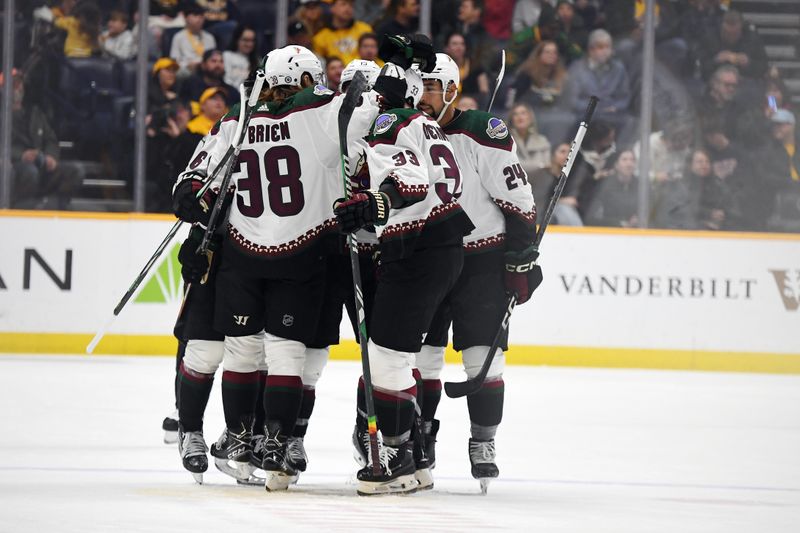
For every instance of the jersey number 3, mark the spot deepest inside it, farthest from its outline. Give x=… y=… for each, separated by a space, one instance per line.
x=284 y=188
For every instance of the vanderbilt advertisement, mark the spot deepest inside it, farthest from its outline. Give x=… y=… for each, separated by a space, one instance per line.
x=680 y=291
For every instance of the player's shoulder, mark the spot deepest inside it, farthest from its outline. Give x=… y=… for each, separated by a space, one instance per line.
x=484 y=128
x=390 y=122
x=231 y=115
x=312 y=96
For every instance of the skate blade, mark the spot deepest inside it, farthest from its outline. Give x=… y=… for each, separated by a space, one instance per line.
x=424 y=479
x=257 y=478
x=198 y=477
x=277 y=481
x=484 y=481
x=239 y=471
x=170 y=437
x=402 y=485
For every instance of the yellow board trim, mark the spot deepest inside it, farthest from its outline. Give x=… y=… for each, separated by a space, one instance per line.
x=583 y=230
x=75 y=343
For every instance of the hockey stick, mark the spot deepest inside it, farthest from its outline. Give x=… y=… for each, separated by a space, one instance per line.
x=354 y=92
x=473 y=385
x=238 y=137
x=161 y=247
x=499 y=79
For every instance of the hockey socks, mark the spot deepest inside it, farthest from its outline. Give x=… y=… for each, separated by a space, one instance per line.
x=395 y=411
x=282 y=398
x=431 y=395
x=239 y=392
x=194 y=388
x=260 y=415
x=306 y=408
x=486 y=409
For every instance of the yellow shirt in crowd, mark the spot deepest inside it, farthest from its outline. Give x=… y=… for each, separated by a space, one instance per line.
x=342 y=43
x=78 y=44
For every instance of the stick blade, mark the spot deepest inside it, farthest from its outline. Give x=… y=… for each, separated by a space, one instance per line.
x=459 y=389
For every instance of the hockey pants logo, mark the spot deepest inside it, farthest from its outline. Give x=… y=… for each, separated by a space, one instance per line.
x=240 y=320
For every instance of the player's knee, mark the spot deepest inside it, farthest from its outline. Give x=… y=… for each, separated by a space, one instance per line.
x=430 y=361
x=316 y=359
x=203 y=356
x=475 y=356
x=390 y=369
x=243 y=354
x=284 y=357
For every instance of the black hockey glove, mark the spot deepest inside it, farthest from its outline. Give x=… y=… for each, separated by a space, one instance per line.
x=194 y=266
x=522 y=274
x=404 y=51
x=187 y=206
x=391 y=86
x=362 y=209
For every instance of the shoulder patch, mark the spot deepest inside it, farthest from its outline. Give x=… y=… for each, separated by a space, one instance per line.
x=383 y=123
x=497 y=129
x=321 y=90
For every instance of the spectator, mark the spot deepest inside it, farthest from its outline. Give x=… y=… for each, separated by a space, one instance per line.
x=340 y=37
x=533 y=148
x=467 y=103
x=778 y=161
x=592 y=18
x=169 y=149
x=733 y=44
x=543 y=183
x=616 y=203
x=298 y=34
x=40 y=179
x=402 y=17
x=210 y=74
x=548 y=28
x=526 y=14
x=496 y=19
x=368 y=48
x=311 y=15
x=735 y=119
x=601 y=75
x=117 y=41
x=83 y=29
x=189 y=44
x=221 y=18
x=474 y=81
x=475 y=36
x=698 y=20
x=711 y=196
x=540 y=78
x=591 y=166
x=212 y=108
x=670 y=47
x=163 y=84
x=570 y=23
x=333 y=72
x=669 y=150
x=241 y=57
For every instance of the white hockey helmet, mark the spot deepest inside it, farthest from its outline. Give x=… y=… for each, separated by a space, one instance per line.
x=446 y=71
x=370 y=69
x=286 y=66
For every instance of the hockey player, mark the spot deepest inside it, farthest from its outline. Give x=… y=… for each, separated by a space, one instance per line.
x=412 y=204
x=498 y=199
x=369 y=69
x=271 y=276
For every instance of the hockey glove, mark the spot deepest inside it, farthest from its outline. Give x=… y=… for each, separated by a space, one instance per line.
x=362 y=209
x=187 y=206
x=522 y=274
x=194 y=266
x=405 y=51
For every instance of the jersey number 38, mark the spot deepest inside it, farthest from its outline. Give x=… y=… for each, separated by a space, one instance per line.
x=284 y=188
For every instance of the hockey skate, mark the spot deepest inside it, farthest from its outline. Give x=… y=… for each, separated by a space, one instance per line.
x=192 y=448
x=360 y=446
x=232 y=453
x=396 y=472
x=257 y=476
x=296 y=457
x=430 y=429
x=423 y=470
x=278 y=472
x=170 y=427
x=482 y=457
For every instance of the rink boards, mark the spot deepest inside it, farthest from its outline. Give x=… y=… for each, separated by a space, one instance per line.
x=611 y=298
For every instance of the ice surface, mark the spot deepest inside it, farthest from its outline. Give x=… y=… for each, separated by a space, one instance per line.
x=579 y=450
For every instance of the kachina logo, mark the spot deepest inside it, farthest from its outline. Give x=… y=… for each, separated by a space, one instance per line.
x=163 y=286
x=789 y=287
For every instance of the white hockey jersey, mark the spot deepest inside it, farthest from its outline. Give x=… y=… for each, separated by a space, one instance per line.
x=288 y=173
x=496 y=194
x=409 y=148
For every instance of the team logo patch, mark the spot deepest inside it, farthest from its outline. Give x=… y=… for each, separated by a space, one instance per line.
x=321 y=90
x=497 y=129
x=288 y=320
x=384 y=122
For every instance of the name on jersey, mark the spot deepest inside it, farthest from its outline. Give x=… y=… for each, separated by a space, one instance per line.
x=259 y=133
x=433 y=132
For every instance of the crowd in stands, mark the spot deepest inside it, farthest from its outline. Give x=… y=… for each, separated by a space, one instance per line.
x=723 y=150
